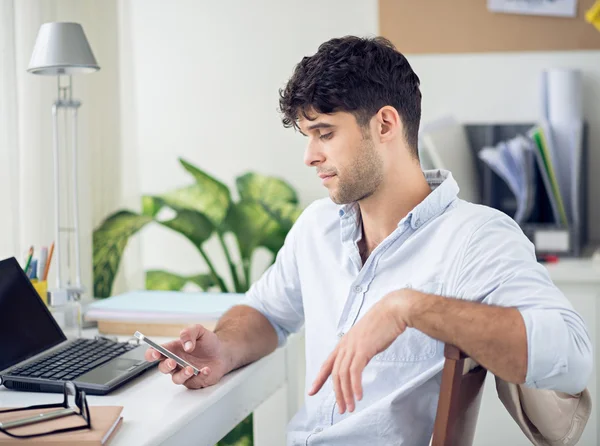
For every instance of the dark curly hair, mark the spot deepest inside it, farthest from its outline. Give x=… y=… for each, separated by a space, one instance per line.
x=355 y=75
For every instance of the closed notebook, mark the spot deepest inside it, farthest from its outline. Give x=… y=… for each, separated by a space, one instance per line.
x=106 y=420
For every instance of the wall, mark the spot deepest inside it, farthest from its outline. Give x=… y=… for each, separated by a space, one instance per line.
x=204 y=79
x=9 y=159
x=504 y=87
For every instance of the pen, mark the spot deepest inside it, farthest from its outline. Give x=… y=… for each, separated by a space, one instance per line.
x=29 y=256
x=42 y=263
x=38 y=418
x=48 y=262
x=33 y=270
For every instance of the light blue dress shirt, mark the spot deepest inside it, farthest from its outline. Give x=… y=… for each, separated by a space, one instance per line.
x=444 y=246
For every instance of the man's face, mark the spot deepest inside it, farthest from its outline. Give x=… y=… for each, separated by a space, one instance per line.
x=343 y=154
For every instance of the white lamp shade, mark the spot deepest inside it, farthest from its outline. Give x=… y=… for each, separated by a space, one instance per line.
x=62 y=48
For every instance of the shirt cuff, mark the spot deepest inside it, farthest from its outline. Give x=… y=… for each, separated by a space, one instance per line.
x=547 y=346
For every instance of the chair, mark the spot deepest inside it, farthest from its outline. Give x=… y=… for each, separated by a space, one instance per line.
x=460 y=399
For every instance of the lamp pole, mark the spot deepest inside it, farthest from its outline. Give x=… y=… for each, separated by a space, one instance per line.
x=62 y=49
x=65 y=101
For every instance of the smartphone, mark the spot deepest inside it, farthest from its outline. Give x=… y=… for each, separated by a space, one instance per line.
x=165 y=352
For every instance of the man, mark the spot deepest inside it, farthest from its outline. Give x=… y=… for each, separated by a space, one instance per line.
x=387 y=269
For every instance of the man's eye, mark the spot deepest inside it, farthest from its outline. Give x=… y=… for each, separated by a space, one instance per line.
x=326 y=135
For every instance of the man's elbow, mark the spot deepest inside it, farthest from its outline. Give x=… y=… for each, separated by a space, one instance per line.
x=580 y=369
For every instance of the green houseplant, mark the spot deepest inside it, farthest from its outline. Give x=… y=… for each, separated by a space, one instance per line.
x=261 y=217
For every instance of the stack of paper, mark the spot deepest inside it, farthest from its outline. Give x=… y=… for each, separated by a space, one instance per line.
x=161 y=313
x=513 y=162
x=163 y=306
x=562 y=125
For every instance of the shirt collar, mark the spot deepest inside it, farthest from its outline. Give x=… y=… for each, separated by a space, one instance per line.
x=444 y=190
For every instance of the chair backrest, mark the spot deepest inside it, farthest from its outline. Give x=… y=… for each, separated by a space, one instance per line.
x=460 y=399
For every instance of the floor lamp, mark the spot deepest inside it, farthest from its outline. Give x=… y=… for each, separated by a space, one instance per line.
x=62 y=50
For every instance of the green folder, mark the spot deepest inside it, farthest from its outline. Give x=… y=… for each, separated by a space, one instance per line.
x=541 y=142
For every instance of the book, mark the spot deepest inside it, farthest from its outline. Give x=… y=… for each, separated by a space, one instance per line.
x=106 y=421
x=159 y=313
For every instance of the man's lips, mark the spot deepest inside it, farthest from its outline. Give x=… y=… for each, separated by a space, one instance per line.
x=326 y=175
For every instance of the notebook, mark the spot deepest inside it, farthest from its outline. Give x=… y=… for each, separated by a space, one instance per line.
x=106 y=420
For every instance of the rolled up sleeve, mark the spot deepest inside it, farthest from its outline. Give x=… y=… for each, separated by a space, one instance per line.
x=277 y=294
x=500 y=268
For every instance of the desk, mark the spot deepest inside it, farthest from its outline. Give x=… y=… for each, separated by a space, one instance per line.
x=156 y=412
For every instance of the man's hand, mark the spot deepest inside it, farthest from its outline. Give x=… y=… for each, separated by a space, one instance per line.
x=201 y=348
x=375 y=331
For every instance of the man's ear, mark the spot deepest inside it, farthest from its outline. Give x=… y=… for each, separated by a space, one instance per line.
x=388 y=123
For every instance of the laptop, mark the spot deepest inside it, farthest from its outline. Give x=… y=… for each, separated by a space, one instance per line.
x=36 y=356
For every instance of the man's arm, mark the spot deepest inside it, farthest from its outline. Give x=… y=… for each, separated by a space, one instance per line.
x=493 y=336
x=246 y=336
x=506 y=314
x=499 y=269
x=271 y=310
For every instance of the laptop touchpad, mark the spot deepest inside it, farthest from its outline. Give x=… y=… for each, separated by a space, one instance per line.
x=123 y=364
x=109 y=371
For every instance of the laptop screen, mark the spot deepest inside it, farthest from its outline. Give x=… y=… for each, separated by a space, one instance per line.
x=26 y=326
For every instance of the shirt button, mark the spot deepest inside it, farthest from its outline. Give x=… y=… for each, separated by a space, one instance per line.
x=340 y=334
x=318 y=429
x=357 y=289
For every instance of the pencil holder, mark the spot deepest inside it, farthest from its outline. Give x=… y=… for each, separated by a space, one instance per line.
x=41 y=286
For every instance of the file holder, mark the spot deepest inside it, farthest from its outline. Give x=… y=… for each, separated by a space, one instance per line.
x=548 y=236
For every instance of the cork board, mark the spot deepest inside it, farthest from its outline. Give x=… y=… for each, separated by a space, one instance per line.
x=467 y=26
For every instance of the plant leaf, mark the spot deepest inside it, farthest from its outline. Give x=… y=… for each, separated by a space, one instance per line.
x=274 y=240
x=204 y=281
x=151 y=205
x=109 y=241
x=195 y=226
x=251 y=224
x=210 y=197
x=195 y=198
x=164 y=280
x=241 y=435
x=284 y=213
x=254 y=186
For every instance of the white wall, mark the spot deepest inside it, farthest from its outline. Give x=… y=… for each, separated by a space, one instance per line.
x=504 y=87
x=205 y=87
x=9 y=158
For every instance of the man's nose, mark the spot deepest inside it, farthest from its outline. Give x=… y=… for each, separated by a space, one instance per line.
x=313 y=156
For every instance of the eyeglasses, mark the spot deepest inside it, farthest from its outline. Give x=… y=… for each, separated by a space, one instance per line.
x=74 y=403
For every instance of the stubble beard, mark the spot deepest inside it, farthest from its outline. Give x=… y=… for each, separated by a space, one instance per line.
x=361 y=178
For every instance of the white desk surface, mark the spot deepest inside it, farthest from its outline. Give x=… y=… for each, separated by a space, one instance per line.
x=156 y=411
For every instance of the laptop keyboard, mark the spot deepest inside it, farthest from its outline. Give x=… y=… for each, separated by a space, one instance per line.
x=74 y=360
